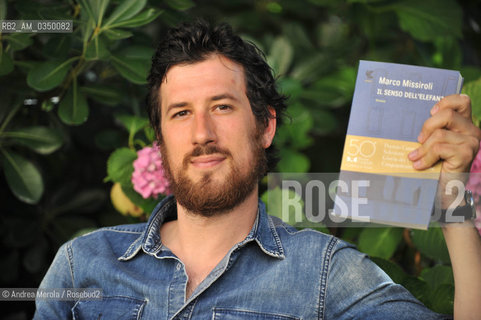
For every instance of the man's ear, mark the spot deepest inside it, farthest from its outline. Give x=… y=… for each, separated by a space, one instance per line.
x=270 y=129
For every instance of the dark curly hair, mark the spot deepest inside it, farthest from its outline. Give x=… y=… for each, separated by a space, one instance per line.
x=194 y=42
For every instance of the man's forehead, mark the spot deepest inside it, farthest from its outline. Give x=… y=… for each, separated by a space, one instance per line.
x=216 y=75
x=212 y=63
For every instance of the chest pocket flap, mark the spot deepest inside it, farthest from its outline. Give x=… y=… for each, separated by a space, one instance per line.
x=236 y=314
x=116 y=307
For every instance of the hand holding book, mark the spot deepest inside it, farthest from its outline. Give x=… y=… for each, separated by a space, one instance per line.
x=448 y=135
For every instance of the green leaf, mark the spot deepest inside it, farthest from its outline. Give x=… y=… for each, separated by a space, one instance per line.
x=431 y=243
x=292 y=161
x=26 y=66
x=97 y=49
x=117 y=34
x=426 y=20
x=311 y=68
x=47 y=105
x=131 y=68
x=442 y=299
x=57 y=46
x=137 y=52
x=40 y=139
x=418 y=287
x=87 y=7
x=3 y=9
x=334 y=90
x=324 y=122
x=280 y=56
x=354 y=1
x=141 y=19
x=119 y=165
x=96 y=9
x=87 y=22
x=473 y=90
x=149 y=133
x=332 y=33
x=394 y=271
x=300 y=126
x=437 y=276
x=180 y=5
x=290 y=87
x=470 y=73
x=448 y=53
x=104 y=94
x=277 y=198
x=6 y=63
x=73 y=108
x=147 y=205
x=132 y=123
x=297 y=36
x=380 y=242
x=19 y=41
x=48 y=75
x=127 y=9
x=351 y=234
x=40 y=11
x=22 y=177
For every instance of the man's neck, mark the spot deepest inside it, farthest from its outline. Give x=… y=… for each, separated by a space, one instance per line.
x=201 y=242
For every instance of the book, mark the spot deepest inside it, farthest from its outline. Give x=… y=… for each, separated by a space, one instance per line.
x=377 y=182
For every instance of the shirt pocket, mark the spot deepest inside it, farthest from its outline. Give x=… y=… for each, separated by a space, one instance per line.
x=115 y=307
x=236 y=314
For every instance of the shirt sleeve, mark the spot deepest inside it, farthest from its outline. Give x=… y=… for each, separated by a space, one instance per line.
x=59 y=275
x=358 y=289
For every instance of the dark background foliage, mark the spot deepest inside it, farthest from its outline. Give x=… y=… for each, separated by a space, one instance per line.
x=72 y=102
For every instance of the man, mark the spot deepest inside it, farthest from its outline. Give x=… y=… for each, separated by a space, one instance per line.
x=211 y=251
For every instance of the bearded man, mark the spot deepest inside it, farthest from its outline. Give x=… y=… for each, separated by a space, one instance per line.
x=211 y=251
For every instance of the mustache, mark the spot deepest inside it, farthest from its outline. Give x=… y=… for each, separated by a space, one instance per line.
x=201 y=150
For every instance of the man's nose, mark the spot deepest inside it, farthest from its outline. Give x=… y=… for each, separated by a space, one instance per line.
x=204 y=129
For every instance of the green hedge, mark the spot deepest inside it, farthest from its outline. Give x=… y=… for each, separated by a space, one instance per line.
x=72 y=111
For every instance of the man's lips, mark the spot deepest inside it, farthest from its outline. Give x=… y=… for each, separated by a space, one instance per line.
x=207 y=161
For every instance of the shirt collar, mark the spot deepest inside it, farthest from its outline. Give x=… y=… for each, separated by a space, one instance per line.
x=263 y=231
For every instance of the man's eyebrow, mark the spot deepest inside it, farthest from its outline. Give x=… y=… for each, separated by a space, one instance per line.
x=176 y=105
x=214 y=98
x=224 y=96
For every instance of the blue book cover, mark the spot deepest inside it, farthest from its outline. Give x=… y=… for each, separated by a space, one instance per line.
x=377 y=182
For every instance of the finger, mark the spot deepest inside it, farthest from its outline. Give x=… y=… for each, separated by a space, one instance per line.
x=448 y=119
x=442 y=136
x=460 y=103
x=457 y=151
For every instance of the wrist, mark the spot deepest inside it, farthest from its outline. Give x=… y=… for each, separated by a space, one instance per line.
x=458 y=212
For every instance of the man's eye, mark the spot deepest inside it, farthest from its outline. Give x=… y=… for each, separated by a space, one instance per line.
x=180 y=114
x=224 y=107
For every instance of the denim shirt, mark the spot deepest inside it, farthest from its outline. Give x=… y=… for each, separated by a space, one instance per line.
x=276 y=272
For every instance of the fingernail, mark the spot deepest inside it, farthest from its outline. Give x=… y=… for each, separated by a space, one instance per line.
x=435 y=109
x=413 y=154
x=417 y=164
x=421 y=137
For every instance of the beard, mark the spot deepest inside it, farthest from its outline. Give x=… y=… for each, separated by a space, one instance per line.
x=208 y=197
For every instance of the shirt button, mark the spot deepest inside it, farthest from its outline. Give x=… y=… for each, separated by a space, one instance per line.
x=178 y=266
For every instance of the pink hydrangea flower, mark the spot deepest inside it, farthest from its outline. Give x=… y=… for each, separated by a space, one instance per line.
x=148 y=178
x=474 y=184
